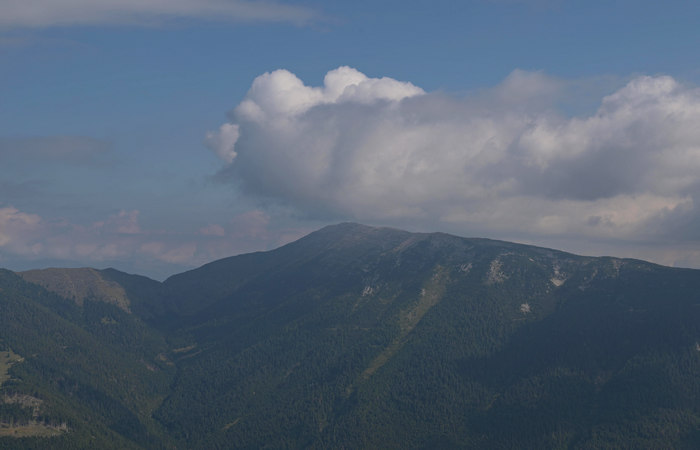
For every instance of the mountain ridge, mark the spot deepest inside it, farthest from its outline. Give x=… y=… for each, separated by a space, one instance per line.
x=358 y=336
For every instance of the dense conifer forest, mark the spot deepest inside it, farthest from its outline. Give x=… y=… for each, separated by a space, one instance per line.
x=356 y=337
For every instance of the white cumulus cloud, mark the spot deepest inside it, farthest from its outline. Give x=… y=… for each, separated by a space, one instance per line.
x=506 y=159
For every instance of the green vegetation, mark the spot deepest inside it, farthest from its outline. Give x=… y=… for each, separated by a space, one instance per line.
x=79 y=285
x=96 y=383
x=7 y=359
x=430 y=295
x=36 y=430
x=358 y=337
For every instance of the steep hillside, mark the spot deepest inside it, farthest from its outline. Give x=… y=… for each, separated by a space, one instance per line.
x=77 y=376
x=364 y=337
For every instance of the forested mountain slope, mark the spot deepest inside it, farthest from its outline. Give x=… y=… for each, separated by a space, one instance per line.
x=83 y=376
x=357 y=336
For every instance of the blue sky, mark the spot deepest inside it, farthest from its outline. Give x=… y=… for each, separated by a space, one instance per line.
x=155 y=136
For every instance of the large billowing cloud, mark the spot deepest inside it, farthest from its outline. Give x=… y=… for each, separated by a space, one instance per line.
x=43 y=13
x=503 y=161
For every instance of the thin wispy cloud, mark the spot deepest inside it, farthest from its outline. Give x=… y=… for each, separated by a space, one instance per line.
x=82 y=150
x=56 y=13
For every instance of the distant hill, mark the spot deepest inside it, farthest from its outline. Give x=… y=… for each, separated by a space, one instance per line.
x=356 y=337
x=79 y=285
x=126 y=291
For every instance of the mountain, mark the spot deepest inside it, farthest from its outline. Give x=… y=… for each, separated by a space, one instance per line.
x=356 y=337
